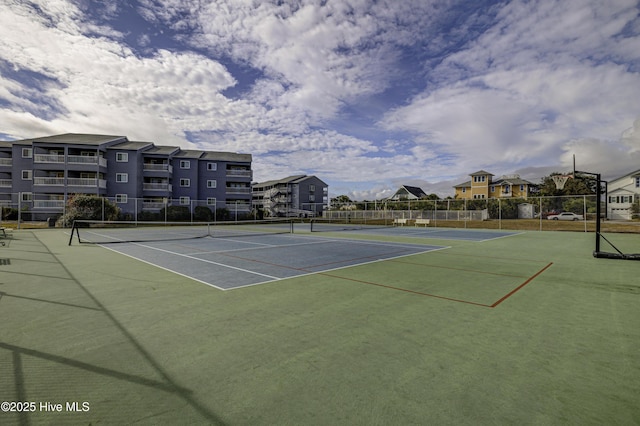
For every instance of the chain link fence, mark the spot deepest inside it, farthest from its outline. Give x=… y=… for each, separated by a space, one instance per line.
x=530 y=213
x=20 y=209
x=533 y=213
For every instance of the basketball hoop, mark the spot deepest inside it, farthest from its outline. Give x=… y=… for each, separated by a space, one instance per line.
x=560 y=180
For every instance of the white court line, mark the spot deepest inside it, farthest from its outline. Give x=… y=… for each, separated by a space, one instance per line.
x=207 y=261
x=272 y=278
x=338 y=268
x=163 y=268
x=258 y=248
x=319 y=240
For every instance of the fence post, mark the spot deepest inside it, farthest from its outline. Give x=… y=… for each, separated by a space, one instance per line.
x=584 y=209
x=540 y=211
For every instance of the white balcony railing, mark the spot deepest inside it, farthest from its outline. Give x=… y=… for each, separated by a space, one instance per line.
x=158 y=167
x=238 y=190
x=51 y=181
x=87 y=159
x=6 y=161
x=70 y=159
x=156 y=187
x=58 y=181
x=48 y=204
x=239 y=173
x=5 y=183
x=48 y=158
x=91 y=182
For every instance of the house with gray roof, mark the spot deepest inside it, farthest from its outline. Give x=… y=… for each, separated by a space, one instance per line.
x=406 y=192
x=482 y=185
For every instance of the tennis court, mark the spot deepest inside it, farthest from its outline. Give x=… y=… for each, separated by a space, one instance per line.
x=228 y=263
x=372 y=326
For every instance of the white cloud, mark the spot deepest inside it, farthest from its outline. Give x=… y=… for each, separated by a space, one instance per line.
x=514 y=86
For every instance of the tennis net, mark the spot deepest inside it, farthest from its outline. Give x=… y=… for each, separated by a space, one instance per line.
x=332 y=225
x=110 y=232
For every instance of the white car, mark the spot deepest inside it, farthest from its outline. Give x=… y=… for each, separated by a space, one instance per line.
x=565 y=216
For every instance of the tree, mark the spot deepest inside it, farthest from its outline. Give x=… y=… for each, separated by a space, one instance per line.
x=341 y=199
x=88 y=207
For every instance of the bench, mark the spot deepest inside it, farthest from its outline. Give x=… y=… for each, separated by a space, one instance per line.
x=399 y=222
x=424 y=222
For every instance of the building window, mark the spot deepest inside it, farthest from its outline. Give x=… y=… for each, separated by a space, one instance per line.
x=478 y=196
x=27 y=196
x=521 y=188
x=185 y=183
x=312 y=188
x=185 y=201
x=212 y=167
x=312 y=198
x=27 y=174
x=211 y=201
x=121 y=198
x=212 y=184
x=185 y=164
x=493 y=188
x=27 y=152
x=464 y=190
x=122 y=157
x=479 y=178
x=122 y=177
x=638 y=182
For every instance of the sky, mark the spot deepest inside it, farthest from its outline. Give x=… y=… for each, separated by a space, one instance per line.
x=367 y=95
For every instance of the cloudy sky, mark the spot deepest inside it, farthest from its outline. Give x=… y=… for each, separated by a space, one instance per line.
x=365 y=94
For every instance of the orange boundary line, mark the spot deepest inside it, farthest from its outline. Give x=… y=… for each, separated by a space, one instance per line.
x=505 y=297
x=404 y=289
x=522 y=285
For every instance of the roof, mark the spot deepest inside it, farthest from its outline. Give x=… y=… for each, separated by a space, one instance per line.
x=226 y=156
x=511 y=181
x=131 y=145
x=628 y=175
x=466 y=184
x=413 y=190
x=80 y=139
x=481 y=172
x=502 y=180
x=163 y=150
x=190 y=153
x=287 y=180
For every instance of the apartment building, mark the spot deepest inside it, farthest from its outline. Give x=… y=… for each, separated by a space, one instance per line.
x=40 y=174
x=482 y=185
x=300 y=196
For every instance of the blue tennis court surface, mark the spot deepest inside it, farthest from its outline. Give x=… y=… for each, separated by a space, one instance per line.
x=228 y=263
x=436 y=233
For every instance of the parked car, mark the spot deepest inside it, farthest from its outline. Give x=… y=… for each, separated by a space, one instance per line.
x=565 y=216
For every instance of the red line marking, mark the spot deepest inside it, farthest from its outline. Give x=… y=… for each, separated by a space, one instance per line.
x=511 y=293
x=405 y=290
x=475 y=271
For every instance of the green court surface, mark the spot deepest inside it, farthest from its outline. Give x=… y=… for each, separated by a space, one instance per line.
x=529 y=329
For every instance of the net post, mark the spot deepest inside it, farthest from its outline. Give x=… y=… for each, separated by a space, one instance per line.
x=73 y=228
x=598 y=207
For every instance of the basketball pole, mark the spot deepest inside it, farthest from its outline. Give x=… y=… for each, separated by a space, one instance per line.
x=598 y=179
